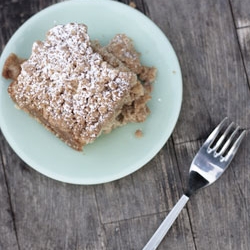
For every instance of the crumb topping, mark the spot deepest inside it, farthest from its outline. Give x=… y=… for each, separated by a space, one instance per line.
x=132 y=4
x=70 y=84
x=122 y=47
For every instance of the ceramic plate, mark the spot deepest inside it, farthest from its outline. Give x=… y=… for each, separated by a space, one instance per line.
x=111 y=156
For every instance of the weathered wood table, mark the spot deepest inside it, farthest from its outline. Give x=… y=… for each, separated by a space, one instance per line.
x=212 y=41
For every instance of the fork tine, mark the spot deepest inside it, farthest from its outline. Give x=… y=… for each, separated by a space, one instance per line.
x=223 y=136
x=215 y=132
x=235 y=147
x=226 y=145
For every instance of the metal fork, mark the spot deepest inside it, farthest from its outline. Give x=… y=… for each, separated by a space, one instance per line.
x=208 y=165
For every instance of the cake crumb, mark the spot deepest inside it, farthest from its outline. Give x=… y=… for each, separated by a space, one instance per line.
x=138 y=133
x=16 y=106
x=12 y=67
x=132 y=4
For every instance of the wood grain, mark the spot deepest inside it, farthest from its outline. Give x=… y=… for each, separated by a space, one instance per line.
x=214 y=79
x=221 y=209
x=135 y=195
x=50 y=214
x=122 y=234
x=37 y=213
x=8 y=236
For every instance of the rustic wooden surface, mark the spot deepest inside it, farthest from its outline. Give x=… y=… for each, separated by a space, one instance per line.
x=212 y=41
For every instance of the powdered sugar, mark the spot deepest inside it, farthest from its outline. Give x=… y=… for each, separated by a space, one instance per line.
x=70 y=85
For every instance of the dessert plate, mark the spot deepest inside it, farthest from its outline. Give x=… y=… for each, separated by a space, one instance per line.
x=119 y=153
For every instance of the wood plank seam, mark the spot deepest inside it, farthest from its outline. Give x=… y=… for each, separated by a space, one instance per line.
x=97 y=206
x=136 y=217
x=238 y=42
x=242 y=53
x=176 y=160
x=183 y=190
x=139 y=3
x=191 y=227
x=145 y=8
x=10 y=202
x=165 y=212
x=240 y=191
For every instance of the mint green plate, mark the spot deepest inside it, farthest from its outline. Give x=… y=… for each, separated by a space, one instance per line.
x=111 y=156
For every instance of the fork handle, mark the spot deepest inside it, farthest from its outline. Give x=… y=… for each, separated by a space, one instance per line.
x=160 y=233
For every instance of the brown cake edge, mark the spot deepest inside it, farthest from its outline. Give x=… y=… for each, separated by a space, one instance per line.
x=75 y=144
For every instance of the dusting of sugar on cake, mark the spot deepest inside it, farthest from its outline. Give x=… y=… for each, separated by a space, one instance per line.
x=70 y=85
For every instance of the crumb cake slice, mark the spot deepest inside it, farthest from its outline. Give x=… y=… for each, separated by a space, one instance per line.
x=69 y=88
x=79 y=89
